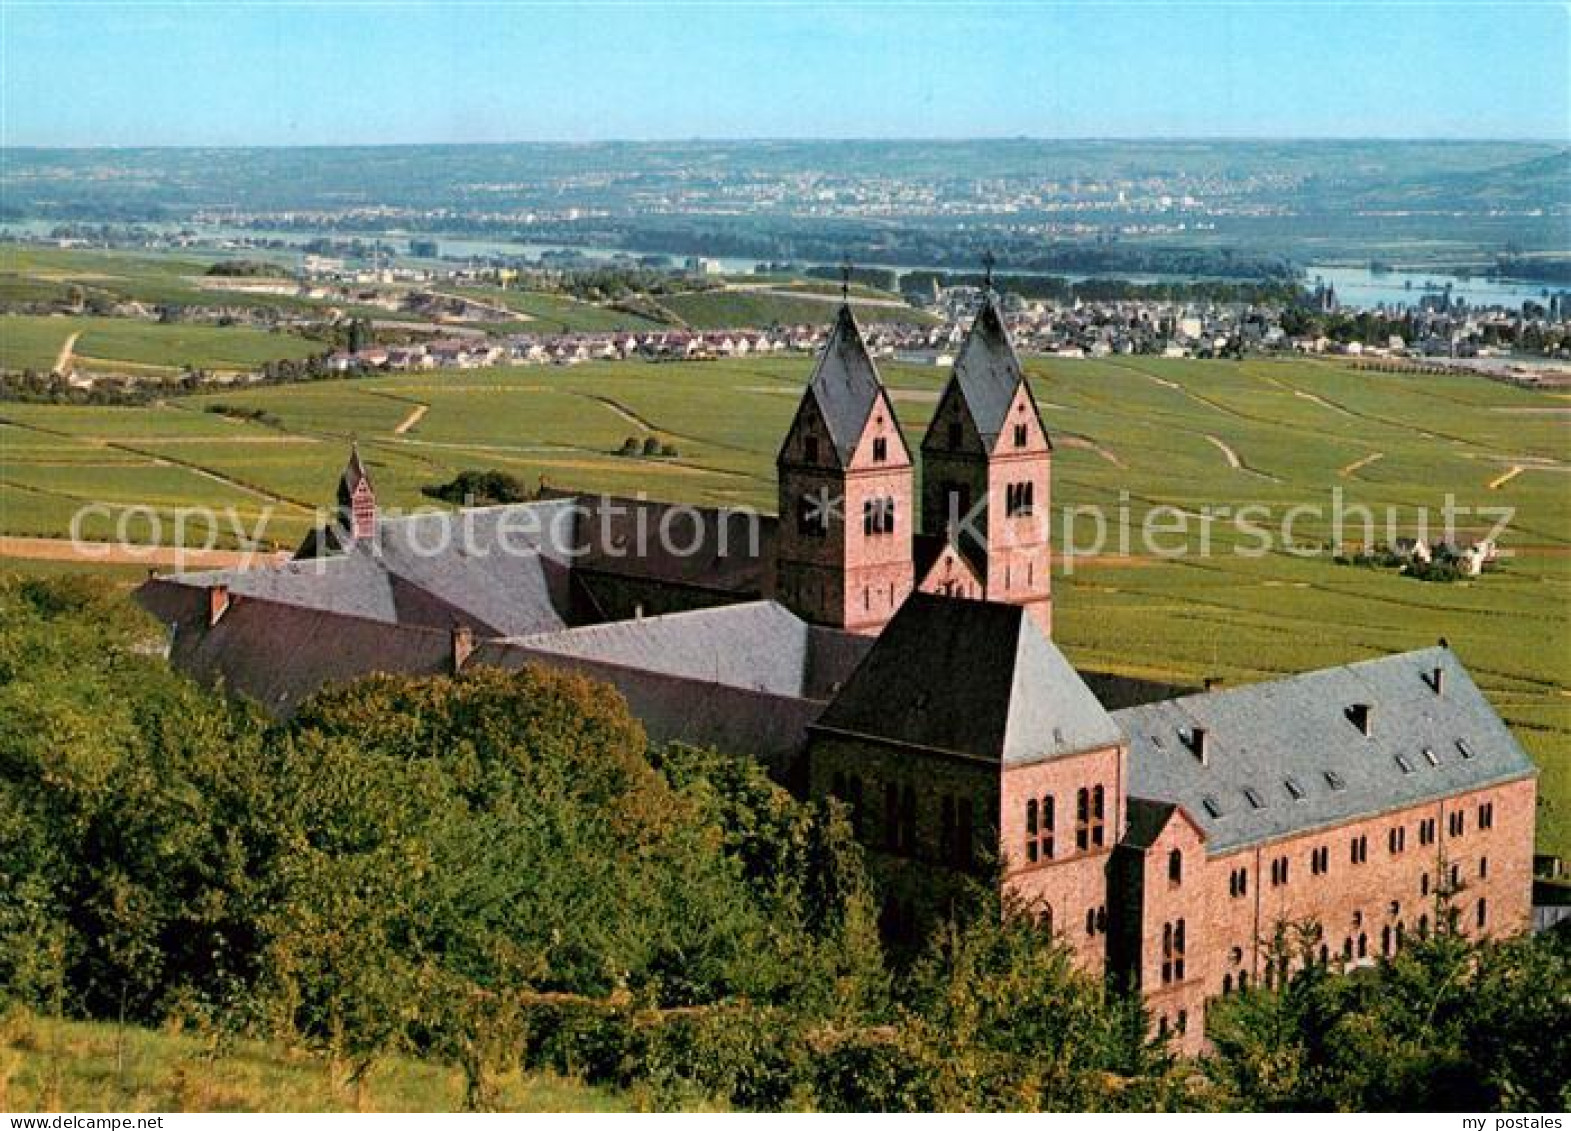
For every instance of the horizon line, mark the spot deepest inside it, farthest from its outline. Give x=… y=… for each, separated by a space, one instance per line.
x=1433 y=139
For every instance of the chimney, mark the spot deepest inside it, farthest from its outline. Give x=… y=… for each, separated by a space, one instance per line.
x=463 y=646
x=217 y=603
x=1362 y=715
x=1198 y=744
x=1437 y=680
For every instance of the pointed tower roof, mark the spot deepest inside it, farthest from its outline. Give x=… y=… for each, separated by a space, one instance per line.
x=988 y=371
x=354 y=474
x=845 y=384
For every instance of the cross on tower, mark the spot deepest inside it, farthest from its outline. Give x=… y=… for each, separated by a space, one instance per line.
x=845 y=279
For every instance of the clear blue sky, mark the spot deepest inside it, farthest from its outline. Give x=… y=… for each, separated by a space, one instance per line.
x=92 y=73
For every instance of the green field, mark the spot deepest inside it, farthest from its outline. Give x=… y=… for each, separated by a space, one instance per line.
x=551 y=313
x=34 y=342
x=1134 y=434
x=30 y=273
x=53 y=1065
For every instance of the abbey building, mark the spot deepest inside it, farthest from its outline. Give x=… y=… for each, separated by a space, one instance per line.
x=892 y=646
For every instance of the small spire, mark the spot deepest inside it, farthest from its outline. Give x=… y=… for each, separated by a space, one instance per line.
x=987 y=271
x=845 y=278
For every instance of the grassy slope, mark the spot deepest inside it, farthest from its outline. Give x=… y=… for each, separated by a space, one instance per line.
x=1298 y=425
x=28 y=341
x=551 y=313
x=48 y=1065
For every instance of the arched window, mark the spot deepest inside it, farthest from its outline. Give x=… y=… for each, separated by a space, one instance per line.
x=956 y=433
x=810 y=449
x=1082 y=819
x=1227 y=983
x=880 y=449
x=1098 y=816
x=1483 y=913
x=1048 y=818
x=1175 y=867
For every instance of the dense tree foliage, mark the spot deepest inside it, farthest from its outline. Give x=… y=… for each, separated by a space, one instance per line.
x=497 y=871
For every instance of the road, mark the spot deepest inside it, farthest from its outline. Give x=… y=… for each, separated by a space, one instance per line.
x=64 y=358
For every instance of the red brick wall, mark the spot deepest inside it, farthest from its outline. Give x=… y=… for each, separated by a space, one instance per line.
x=1019 y=559
x=847 y=578
x=1075 y=881
x=1347 y=901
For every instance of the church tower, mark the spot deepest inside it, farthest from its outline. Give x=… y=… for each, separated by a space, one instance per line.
x=356 y=500
x=987 y=470
x=843 y=551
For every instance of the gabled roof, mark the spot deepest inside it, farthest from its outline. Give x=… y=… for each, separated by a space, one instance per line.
x=1145 y=820
x=988 y=372
x=845 y=384
x=975 y=678
x=926 y=549
x=1258 y=737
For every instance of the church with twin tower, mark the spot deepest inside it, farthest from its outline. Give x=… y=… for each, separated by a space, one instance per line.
x=849 y=551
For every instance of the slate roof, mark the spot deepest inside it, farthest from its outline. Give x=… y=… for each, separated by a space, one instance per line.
x=723 y=548
x=280 y=654
x=845 y=384
x=1258 y=737
x=759 y=646
x=975 y=678
x=988 y=372
x=1145 y=821
x=500 y=570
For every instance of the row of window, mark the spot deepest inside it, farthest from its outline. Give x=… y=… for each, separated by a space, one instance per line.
x=901 y=812
x=1022 y=435
x=1042 y=824
x=810 y=449
x=1180 y=1024
x=813 y=512
x=1019 y=498
x=1358 y=850
x=878 y=516
x=1393 y=937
